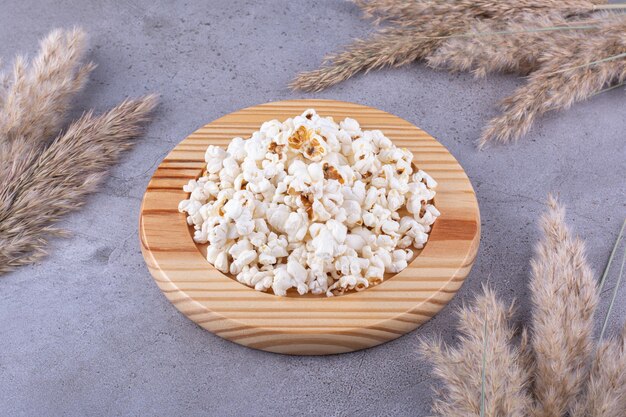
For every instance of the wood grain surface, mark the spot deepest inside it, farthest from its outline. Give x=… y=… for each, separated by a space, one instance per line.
x=308 y=325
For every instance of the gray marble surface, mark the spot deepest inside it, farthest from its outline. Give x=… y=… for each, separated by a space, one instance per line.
x=87 y=332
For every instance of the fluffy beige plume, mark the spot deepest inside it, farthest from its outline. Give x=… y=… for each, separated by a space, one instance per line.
x=495 y=46
x=35 y=102
x=574 y=67
x=418 y=25
x=606 y=389
x=564 y=298
x=391 y=47
x=45 y=172
x=556 y=370
x=460 y=368
x=413 y=13
x=42 y=188
x=572 y=49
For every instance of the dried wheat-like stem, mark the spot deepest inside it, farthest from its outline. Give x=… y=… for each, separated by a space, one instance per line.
x=606 y=389
x=611 y=256
x=392 y=47
x=614 y=297
x=418 y=24
x=460 y=368
x=564 y=299
x=35 y=101
x=413 y=13
x=39 y=189
x=527 y=357
x=574 y=67
x=508 y=49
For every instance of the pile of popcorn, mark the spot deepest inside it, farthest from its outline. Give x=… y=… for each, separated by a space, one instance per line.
x=312 y=205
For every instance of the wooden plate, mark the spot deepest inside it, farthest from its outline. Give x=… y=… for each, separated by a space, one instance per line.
x=308 y=325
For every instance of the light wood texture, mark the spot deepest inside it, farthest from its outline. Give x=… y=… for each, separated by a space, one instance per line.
x=308 y=325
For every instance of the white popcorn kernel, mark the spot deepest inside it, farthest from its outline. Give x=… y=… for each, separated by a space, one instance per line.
x=395 y=200
x=355 y=242
x=278 y=218
x=211 y=254
x=244 y=259
x=214 y=157
x=348 y=282
x=390 y=227
x=262 y=280
x=266 y=258
x=405 y=242
x=218 y=235
x=369 y=219
x=299 y=276
x=430 y=181
x=323 y=244
x=316 y=173
x=337 y=230
x=258 y=239
x=370 y=198
x=433 y=210
x=414 y=204
x=296 y=226
x=319 y=212
x=351 y=127
x=399 y=260
x=283 y=281
x=239 y=247
x=353 y=213
x=221 y=262
x=232 y=210
x=236 y=149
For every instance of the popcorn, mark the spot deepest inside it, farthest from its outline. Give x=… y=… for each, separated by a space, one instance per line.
x=214 y=158
x=309 y=205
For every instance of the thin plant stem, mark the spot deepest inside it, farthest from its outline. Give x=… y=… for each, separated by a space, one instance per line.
x=617 y=285
x=510 y=32
x=605 y=90
x=608 y=265
x=615 y=6
x=599 y=61
x=484 y=370
x=613 y=87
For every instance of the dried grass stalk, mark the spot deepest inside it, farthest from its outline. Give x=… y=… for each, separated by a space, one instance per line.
x=418 y=23
x=56 y=182
x=606 y=389
x=44 y=177
x=569 y=72
x=459 y=368
x=38 y=95
x=391 y=47
x=568 y=58
x=557 y=371
x=564 y=299
x=413 y=13
x=507 y=50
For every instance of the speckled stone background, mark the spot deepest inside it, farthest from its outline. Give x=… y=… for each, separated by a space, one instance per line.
x=87 y=332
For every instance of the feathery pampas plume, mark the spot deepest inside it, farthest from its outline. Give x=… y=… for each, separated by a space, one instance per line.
x=555 y=369
x=564 y=297
x=573 y=67
x=606 y=389
x=37 y=98
x=486 y=49
x=505 y=380
x=572 y=38
x=404 y=12
x=43 y=176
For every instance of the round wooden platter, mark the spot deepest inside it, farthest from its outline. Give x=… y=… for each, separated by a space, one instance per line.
x=312 y=325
